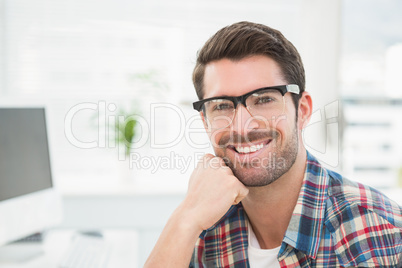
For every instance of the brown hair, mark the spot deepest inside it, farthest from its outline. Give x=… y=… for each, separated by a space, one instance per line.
x=244 y=39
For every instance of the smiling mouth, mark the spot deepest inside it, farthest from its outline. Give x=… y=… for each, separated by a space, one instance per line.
x=248 y=149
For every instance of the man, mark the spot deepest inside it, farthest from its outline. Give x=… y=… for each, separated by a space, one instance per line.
x=263 y=200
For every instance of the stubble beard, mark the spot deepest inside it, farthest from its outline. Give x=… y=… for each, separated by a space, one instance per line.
x=264 y=171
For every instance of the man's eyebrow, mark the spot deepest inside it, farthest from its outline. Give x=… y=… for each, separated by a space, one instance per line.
x=231 y=96
x=221 y=96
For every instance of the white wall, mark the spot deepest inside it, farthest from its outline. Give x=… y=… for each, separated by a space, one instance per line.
x=320 y=49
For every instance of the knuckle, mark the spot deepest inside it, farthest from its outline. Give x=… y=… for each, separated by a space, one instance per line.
x=206 y=159
x=215 y=162
x=208 y=156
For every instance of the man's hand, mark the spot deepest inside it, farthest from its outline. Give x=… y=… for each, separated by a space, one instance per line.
x=212 y=190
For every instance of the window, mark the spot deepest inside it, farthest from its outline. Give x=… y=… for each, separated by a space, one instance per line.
x=371 y=90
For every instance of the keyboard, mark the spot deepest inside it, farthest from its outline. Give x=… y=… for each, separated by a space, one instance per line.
x=86 y=252
x=34 y=238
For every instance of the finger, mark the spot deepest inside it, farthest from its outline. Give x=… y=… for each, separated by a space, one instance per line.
x=216 y=162
x=227 y=169
x=243 y=192
x=221 y=161
x=203 y=162
x=208 y=157
x=215 y=159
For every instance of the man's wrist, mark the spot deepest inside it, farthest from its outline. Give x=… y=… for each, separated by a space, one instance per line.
x=187 y=221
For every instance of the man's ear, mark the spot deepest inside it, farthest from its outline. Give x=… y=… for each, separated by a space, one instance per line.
x=305 y=109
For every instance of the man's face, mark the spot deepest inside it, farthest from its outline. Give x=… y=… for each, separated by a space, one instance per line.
x=258 y=151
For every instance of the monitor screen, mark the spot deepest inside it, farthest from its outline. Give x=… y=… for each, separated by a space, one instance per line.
x=24 y=152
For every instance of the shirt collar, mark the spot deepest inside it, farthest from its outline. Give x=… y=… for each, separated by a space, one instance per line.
x=306 y=224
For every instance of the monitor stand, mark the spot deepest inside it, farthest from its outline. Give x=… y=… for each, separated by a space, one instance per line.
x=22 y=250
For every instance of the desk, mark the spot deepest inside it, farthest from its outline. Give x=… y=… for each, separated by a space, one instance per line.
x=114 y=205
x=123 y=243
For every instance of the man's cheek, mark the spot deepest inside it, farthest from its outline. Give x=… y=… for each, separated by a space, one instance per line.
x=215 y=137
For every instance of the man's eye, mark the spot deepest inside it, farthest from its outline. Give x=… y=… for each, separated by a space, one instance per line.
x=223 y=107
x=264 y=100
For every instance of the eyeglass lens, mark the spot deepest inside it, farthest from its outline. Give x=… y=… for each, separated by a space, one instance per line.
x=263 y=105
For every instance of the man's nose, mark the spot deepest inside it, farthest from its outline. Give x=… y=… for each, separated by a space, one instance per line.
x=243 y=122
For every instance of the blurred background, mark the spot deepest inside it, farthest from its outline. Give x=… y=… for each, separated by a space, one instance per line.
x=93 y=63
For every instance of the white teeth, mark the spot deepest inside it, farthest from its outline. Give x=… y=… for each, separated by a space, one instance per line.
x=250 y=149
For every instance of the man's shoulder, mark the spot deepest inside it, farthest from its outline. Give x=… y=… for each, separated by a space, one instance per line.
x=365 y=225
x=345 y=194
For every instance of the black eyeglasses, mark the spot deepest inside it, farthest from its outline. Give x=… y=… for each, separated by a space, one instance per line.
x=267 y=102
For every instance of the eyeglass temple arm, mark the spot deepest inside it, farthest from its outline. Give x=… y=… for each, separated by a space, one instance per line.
x=293 y=88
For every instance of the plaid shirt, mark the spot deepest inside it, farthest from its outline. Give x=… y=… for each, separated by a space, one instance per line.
x=335 y=223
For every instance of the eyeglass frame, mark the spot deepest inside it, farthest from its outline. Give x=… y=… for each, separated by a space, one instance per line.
x=283 y=89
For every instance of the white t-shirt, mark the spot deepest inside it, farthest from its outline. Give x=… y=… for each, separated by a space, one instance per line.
x=258 y=257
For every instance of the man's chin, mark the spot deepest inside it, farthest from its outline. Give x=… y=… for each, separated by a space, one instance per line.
x=261 y=172
x=253 y=177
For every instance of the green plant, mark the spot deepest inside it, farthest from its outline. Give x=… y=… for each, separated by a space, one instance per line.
x=124 y=129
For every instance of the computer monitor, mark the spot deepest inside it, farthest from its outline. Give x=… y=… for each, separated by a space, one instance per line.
x=29 y=202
